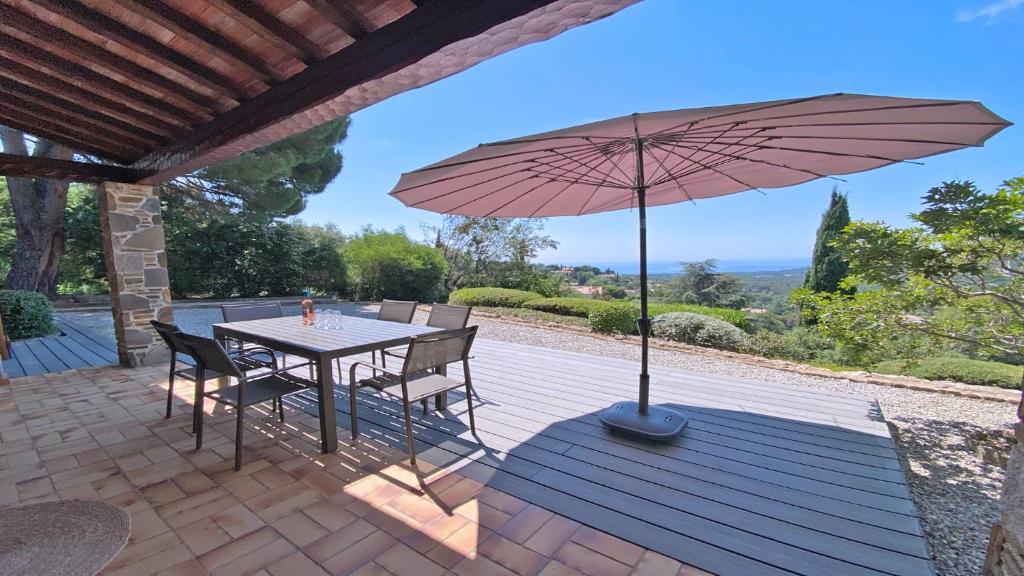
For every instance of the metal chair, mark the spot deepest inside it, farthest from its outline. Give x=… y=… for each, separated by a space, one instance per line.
x=254 y=358
x=418 y=379
x=210 y=356
x=243 y=312
x=397 y=311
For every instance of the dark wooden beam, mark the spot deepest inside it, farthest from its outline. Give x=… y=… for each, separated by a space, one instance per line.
x=76 y=122
x=253 y=16
x=59 y=40
x=31 y=125
x=108 y=145
x=18 y=89
x=398 y=45
x=78 y=82
x=342 y=15
x=187 y=28
x=140 y=43
x=32 y=167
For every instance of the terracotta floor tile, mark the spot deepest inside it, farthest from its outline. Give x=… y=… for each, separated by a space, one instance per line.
x=608 y=545
x=329 y=514
x=359 y=553
x=653 y=564
x=552 y=535
x=335 y=542
x=480 y=566
x=523 y=525
x=299 y=529
x=401 y=559
x=556 y=568
x=511 y=555
x=238 y=520
x=296 y=564
x=589 y=562
x=239 y=547
x=203 y=535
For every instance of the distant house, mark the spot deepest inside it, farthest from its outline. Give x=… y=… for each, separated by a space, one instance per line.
x=566 y=270
x=755 y=310
x=589 y=290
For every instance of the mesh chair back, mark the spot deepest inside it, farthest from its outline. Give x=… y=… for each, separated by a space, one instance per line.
x=439 y=349
x=169 y=333
x=243 y=312
x=209 y=354
x=397 y=311
x=448 y=317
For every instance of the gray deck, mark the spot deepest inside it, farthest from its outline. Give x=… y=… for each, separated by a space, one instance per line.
x=766 y=479
x=76 y=347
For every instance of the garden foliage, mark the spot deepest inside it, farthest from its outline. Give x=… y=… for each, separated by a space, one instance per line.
x=26 y=314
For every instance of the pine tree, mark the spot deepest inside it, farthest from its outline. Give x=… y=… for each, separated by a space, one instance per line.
x=828 y=267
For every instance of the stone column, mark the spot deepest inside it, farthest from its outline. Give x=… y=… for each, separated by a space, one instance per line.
x=133 y=246
x=1006 y=547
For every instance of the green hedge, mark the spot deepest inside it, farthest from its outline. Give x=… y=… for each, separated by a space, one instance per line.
x=496 y=297
x=957 y=370
x=617 y=317
x=737 y=318
x=579 y=307
x=26 y=314
x=699 y=330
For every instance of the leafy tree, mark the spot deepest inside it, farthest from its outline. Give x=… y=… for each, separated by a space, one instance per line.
x=83 y=268
x=7 y=234
x=701 y=283
x=390 y=265
x=956 y=277
x=323 y=267
x=828 y=266
x=477 y=249
x=38 y=206
x=272 y=181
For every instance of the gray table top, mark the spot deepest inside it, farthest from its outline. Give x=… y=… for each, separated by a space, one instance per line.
x=357 y=335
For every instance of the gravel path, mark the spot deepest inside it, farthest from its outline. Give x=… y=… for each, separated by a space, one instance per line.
x=955 y=492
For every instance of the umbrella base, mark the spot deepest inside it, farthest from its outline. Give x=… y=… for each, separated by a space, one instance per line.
x=659 y=423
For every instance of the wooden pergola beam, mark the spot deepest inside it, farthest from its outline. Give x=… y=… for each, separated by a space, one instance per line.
x=152 y=110
x=128 y=141
x=32 y=125
x=31 y=167
x=59 y=40
x=269 y=26
x=402 y=43
x=342 y=15
x=183 y=26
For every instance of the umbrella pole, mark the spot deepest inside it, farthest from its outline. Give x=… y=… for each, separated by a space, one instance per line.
x=640 y=418
x=643 y=324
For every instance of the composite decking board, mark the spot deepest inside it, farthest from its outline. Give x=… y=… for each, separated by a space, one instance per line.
x=870 y=477
x=387 y=414
x=97 y=343
x=12 y=367
x=88 y=356
x=823 y=414
x=62 y=347
x=29 y=363
x=877 y=435
x=737 y=435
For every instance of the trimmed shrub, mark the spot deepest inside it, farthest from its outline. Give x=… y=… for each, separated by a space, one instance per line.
x=737 y=318
x=579 y=307
x=963 y=370
x=699 y=330
x=496 y=297
x=26 y=314
x=800 y=344
x=617 y=317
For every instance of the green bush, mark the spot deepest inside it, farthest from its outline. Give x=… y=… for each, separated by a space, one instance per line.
x=390 y=265
x=618 y=317
x=26 y=314
x=699 y=330
x=737 y=318
x=579 y=307
x=800 y=344
x=957 y=370
x=497 y=297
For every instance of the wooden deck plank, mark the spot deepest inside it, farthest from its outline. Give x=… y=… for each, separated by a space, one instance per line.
x=99 y=345
x=29 y=363
x=58 y=346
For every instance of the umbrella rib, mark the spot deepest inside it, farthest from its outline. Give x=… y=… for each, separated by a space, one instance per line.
x=580 y=176
x=744 y=111
x=810 y=114
x=495 y=157
x=773 y=136
x=828 y=153
x=720 y=173
x=689 y=158
x=594 y=168
x=686 y=195
x=749 y=159
x=622 y=146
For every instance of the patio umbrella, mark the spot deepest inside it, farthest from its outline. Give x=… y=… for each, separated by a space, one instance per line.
x=658 y=158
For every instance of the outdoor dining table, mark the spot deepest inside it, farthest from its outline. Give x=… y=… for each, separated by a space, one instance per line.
x=322 y=346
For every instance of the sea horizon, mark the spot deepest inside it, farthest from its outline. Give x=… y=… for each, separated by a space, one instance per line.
x=675 y=267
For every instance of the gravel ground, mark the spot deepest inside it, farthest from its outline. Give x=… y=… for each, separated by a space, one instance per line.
x=955 y=492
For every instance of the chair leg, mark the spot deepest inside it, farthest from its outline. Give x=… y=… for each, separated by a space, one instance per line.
x=424 y=404
x=280 y=408
x=170 y=387
x=238 y=438
x=469 y=403
x=408 y=434
x=197 y=420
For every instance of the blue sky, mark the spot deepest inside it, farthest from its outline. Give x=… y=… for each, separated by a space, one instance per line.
x=665 y=54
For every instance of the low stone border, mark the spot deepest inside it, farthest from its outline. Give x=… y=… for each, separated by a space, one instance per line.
x=940 y=387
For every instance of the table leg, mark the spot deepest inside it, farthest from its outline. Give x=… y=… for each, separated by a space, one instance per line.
x=328 y=422
x=441 y=400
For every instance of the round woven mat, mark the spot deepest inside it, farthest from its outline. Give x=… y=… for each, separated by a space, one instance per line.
x=67 y=538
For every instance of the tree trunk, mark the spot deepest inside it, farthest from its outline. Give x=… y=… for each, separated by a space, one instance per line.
x=38 y=206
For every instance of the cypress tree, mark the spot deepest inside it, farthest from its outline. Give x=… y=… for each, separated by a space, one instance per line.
x=828 y=267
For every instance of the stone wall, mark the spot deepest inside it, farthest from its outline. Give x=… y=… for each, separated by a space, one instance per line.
x=1005 y=551
x=133 y=244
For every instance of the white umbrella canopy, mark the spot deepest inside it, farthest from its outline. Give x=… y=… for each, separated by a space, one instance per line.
x=685 y=155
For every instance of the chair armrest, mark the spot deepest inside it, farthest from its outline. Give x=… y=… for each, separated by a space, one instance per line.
x=393 y=372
